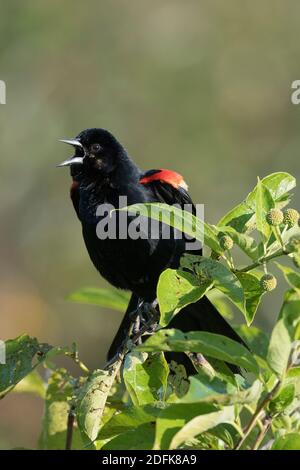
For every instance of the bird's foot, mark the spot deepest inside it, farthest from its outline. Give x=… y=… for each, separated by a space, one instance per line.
x=136 y=328
x=145 y=319
x=149 y=312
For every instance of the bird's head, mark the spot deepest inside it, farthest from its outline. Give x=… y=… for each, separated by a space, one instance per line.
x=97 y=153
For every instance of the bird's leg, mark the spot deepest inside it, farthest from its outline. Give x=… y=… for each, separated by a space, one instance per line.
x=149 y=312
x=136 y=328
x=144 y=320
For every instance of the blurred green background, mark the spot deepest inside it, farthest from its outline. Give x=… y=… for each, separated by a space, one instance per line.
x=202 y=87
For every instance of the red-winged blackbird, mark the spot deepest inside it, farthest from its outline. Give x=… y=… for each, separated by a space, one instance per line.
x=102 y=171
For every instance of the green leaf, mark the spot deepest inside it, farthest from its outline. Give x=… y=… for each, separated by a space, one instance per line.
x=23 y=354
x=242 y=217
x=129 y=419
x=211 y=238
x=257 y=341
x=291 y=295
x=291 y=240
x=181 y=220
x=253 y=293
x=283 y=399
x=246 y=243
x=294 y=372
x=223 y=279
x=287 y=442
x=91 y=402
x=106 y=298
x=292 y=277
x=139 y=438
x=32 y=383
x=209 y=344
x=280 y=348
x=178 y=382
x=279 y=184
x=59 y=393
x=145 y=377
x=285 y=332
x=213 y=390
x=227 y=432
x=263 y=203
x=220 y=301
x=201 y=424
x=290 y=311
x=173 y=418
x=175 y=290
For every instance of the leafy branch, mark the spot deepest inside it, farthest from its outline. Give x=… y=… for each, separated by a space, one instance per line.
x=262 y=261
x=139 y=400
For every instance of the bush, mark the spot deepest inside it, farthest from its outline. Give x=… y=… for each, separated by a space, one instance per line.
x=139 y=401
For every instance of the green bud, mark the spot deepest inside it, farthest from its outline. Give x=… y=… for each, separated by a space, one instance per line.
x=274 y=217
x=290 y=217
x=226 y=243
x=268 y=282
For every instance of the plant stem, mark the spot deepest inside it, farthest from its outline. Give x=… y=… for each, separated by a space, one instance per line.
x=278 y=235
x=257 y=414
x=82 y=366
x=259 y=411
x=263 y=432
x=113 y=366
x=70 y=426
x=74 y=355
x=261 y=261
x=268 y=445
x=230 y=260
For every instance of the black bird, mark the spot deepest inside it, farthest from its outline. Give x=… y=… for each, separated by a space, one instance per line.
x=102 y=171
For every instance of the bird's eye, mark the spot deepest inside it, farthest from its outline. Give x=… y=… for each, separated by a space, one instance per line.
x=95 y=148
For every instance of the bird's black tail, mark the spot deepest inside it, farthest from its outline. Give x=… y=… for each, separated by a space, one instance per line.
x=199 y=316
x=123 y=328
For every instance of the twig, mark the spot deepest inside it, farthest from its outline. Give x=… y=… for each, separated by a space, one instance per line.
x=70 y=427
x=261 y=407
x=261 y=261
x=257 y=414
x=74 y=355
x=279 y=236
x=82 y=366
x=132 y=338
x=113 y=366
x=268 y=445
x=230 y=260
x=263 y=432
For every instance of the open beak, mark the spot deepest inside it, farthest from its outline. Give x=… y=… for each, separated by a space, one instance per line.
x=72 y=160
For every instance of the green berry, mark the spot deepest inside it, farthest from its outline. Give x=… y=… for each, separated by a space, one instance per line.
x=268 y=282
x=226 y=243
x=290 y=217
x=274 y=217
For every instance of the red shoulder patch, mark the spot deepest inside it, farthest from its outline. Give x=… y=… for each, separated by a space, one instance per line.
x=73 y=189
x=165 y=176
